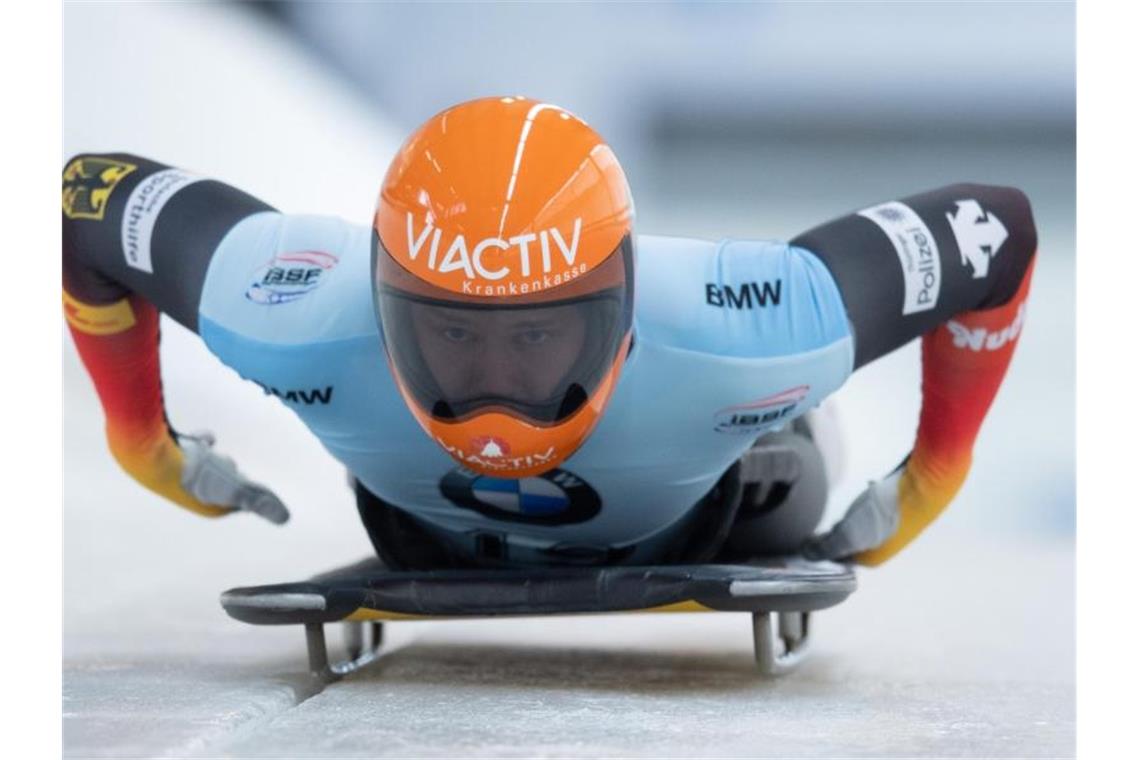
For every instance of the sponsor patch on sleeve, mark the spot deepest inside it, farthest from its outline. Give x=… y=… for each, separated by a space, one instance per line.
x=917 y=252
x=143 y=207
x=979 y=339
x=979 y=233
x=88 y=184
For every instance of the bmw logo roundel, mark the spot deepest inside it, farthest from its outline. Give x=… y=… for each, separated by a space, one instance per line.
x=557 y=497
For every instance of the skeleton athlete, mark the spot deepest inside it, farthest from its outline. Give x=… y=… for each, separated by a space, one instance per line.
x=512 y=376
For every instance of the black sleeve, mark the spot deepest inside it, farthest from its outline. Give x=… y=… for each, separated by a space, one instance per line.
x=132 y=225
x=905 y=267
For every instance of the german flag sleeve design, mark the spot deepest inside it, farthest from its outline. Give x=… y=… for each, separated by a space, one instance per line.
x=138 y=237
x=952 y=266
x=963 y=364
x=118 y=344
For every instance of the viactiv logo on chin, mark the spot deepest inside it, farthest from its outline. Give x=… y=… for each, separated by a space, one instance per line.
x=493 y=453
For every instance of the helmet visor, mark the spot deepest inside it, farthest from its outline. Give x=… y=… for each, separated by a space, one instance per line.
x=540 y=360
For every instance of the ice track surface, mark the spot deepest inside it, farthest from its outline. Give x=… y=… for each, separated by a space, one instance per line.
x=963 y=646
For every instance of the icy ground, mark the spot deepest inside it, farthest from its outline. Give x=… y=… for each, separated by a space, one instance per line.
x=963 y=646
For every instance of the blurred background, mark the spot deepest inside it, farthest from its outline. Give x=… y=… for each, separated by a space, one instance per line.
x=742 y=120
x=765 y=119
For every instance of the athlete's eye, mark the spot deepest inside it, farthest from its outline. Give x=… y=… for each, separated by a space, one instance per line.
x=457 y=334
x=534 y=337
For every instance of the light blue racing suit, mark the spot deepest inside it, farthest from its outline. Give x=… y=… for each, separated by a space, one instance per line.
x=731 y=340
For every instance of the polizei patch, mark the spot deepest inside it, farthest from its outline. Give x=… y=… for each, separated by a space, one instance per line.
x=557 y=497
x=918 y=253
x=289 y=276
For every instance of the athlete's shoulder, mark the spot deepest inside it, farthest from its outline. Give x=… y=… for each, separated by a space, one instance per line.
x=289 y=280
x=737 y=298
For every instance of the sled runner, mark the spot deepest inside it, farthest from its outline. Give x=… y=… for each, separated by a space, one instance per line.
x=781 y=594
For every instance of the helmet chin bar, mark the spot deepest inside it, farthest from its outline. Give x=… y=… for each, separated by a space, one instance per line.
x=569 y=402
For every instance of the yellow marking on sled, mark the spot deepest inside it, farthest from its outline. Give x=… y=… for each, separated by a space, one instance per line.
x=689 y=606
x=365 y=614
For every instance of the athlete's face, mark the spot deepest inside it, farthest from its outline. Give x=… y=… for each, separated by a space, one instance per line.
x=516 y=354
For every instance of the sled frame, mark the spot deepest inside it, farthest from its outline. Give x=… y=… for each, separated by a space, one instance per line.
x=780 y=642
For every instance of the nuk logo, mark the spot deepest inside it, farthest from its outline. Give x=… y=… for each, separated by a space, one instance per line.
x=979 y=339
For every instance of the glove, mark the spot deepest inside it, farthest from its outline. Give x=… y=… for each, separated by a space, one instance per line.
x=869 y=522
x=214 y=479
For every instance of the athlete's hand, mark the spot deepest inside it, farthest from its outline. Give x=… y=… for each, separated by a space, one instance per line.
x=869 y=522
x=214 y=479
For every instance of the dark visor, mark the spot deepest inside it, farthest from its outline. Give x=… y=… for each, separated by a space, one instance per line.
x=539 y=360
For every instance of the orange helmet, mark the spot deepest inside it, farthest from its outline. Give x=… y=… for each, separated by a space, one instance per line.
x=502 y=267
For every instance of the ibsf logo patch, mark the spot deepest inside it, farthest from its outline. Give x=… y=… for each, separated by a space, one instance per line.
x=761 y=415
x=557 y=497
x=88 y=184
x=289 y=276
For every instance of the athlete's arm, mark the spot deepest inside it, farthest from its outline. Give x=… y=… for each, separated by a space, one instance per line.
x=952 y=266
x=138 y=237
